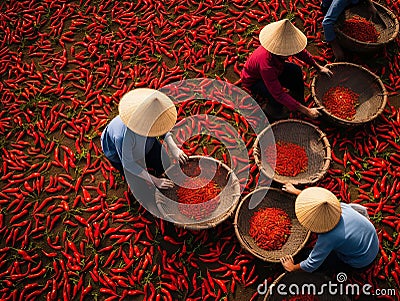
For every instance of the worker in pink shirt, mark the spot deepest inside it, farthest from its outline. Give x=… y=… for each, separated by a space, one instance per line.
x=266 y=72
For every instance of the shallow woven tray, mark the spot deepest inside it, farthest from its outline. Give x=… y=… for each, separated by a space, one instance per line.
x=306 y=135
x=167 y=200
x=387 y=34
x=299 y=278
x=373 y=94
x=274 y=198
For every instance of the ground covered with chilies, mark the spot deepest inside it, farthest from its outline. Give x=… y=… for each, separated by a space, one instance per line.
x=69 y=227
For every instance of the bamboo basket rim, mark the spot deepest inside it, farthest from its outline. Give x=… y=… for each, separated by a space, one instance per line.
x=359 y=121
x=212 y=223
x=322 y=137
x=263 y=254
x=374 y=44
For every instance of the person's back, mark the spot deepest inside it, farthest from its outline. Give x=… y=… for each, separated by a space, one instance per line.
x=355 y=239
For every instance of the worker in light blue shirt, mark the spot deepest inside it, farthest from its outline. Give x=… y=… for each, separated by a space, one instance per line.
x=332 y=10
x=343 y=233
x=130 y=141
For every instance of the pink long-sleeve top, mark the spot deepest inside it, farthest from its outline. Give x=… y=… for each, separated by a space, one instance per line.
x=264 y=65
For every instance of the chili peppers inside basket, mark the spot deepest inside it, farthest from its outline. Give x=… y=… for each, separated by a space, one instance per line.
x=291 y=158
x=204 y=198
x=270 y=228
x=360 y=29
x=341 y=102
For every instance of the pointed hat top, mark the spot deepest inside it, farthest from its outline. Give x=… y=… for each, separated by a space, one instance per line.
x=282 y=38
x=147 y=112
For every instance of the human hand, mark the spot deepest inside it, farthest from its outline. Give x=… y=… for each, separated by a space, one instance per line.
x=326 y=71
x=313 y=113
x=179 y=155
x=289 y=187
x=163 y=183
x=288 y=263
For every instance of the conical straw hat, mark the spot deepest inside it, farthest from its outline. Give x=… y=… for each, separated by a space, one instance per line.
x=282 y=38
x=317 y=209
x=147 y=112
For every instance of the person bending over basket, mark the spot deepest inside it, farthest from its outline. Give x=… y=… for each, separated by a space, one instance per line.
x=347 y=240
x=131 y=140
x=332 y=10
x=266 y=72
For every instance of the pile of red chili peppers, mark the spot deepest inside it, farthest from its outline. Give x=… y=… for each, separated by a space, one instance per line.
x=341 y=102
x=270 y=228
x=202 y=193
x=291 y=158
x=69 y=227
x=360 y=29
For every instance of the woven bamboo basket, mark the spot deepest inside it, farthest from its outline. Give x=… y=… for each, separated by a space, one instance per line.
x=271 y=198
x=167 y=199
x=372 y=92
x=387 y=26
x=306 y=282
x=306 y=135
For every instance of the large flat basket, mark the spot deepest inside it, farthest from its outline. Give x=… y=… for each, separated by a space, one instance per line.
x=220 y=173
x=372 y=92
x=304 y=134
x=387 y=26
x=270 y=198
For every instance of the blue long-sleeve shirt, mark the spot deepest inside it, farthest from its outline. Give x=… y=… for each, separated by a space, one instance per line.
x=121 y=145
x=354 y=240
x=336 y=7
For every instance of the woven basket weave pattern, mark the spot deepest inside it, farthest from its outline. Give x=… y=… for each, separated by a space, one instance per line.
x=228 y=200
x=388 y=31
x=277 y=199
x=307 y=136
x=372 y=93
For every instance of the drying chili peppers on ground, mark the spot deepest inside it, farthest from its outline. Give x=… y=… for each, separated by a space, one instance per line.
x=341 y=102
x=69 y=226
x=291 y=158
x=270 y=228
x=201 y=192
x=360 y=29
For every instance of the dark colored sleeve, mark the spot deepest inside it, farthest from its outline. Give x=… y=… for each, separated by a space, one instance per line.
x=270 y=78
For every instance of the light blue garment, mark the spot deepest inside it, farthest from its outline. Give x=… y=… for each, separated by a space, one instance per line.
x=336 y=7
x=112 y=139
x=354 y=240
x=121 y=145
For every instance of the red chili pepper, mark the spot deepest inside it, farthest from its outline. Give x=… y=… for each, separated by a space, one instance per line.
x=341 y=101
x=360 y=29
x=291 y=159
x=270 y=228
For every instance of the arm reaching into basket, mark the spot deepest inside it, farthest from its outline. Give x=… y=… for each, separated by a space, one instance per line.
x=288 y=263
x=346 y=239
x=332 y=10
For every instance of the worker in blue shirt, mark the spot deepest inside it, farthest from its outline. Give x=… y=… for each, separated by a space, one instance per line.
x=332 y=10
x=347 y=240
x=131 y=141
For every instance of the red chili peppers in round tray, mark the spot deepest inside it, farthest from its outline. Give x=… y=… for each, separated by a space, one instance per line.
x=291 y=158
x=205 y=198
x=360 y=29
x=270 y=228
x=341 y=102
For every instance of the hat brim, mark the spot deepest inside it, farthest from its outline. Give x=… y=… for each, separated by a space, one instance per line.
x=147 y=112
x=282 y=38
x=318 y=209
